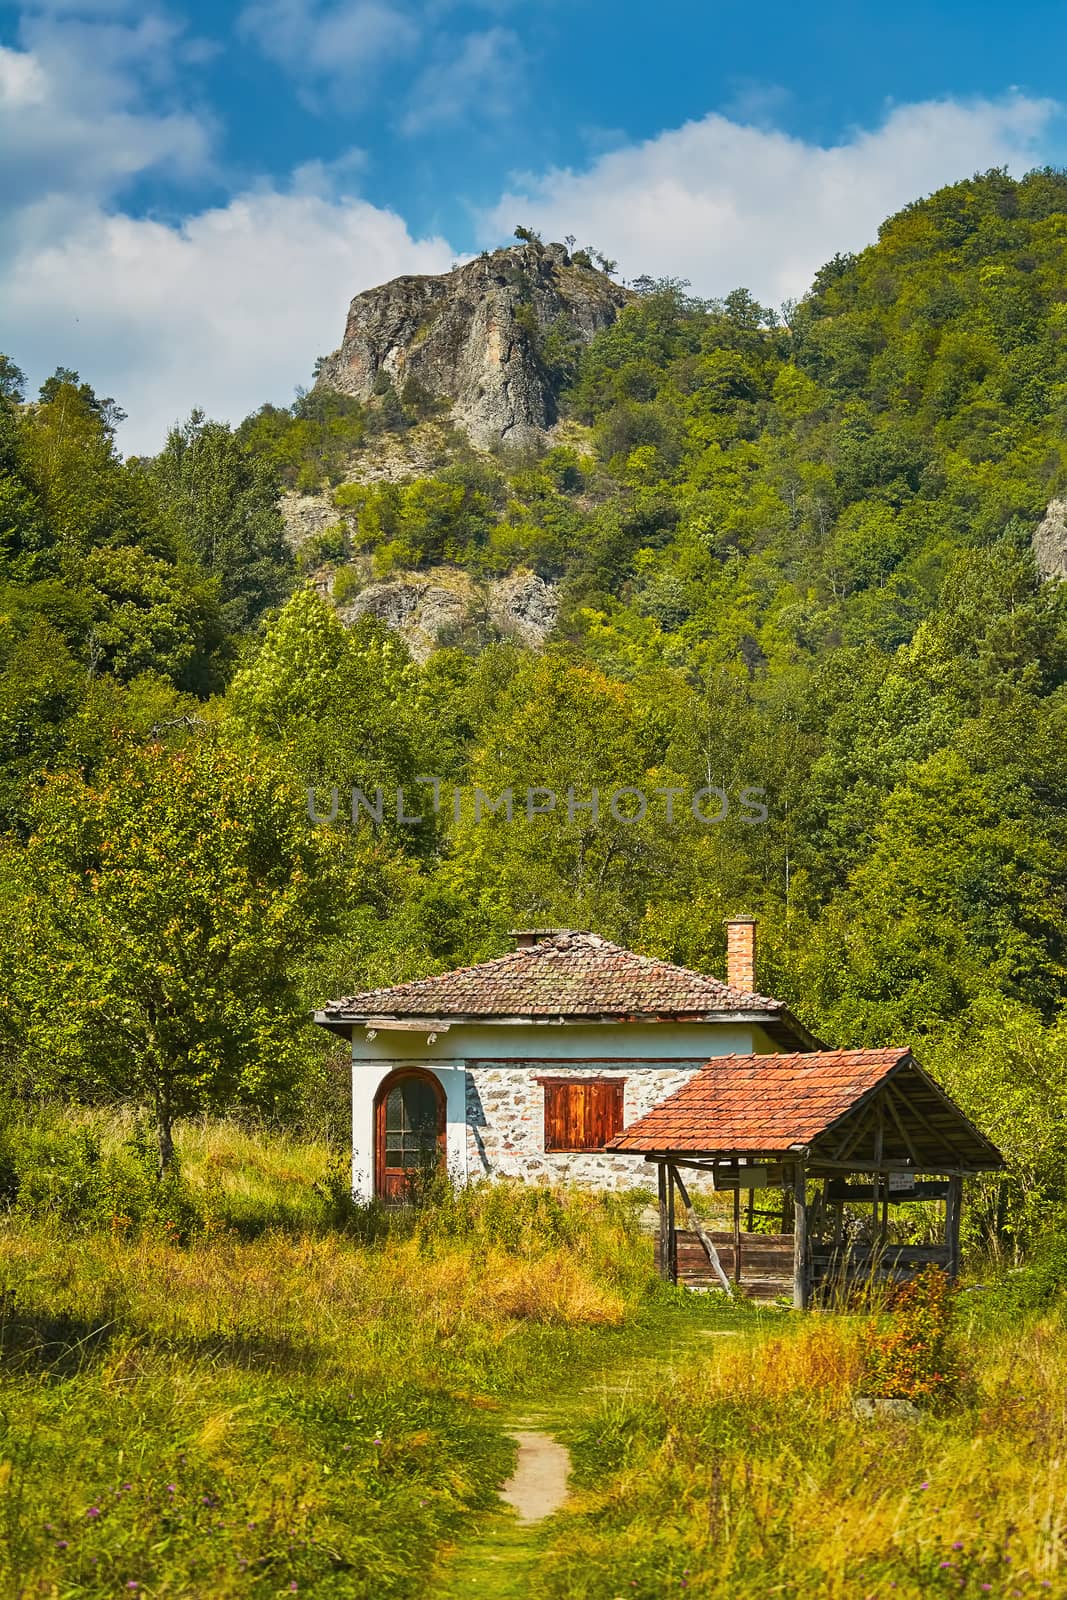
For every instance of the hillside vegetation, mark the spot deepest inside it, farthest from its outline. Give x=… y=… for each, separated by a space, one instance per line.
x=794 y=554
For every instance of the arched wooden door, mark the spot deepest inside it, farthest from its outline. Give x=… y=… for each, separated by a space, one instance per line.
x=409 y=1141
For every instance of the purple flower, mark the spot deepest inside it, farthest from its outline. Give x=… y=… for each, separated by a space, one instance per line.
x=61 y=1544
x=171 y=1488
x=93 y=1511
x=957 y=1544
x=924 y=1486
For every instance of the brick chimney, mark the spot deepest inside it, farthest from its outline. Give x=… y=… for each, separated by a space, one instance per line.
x=741 y=954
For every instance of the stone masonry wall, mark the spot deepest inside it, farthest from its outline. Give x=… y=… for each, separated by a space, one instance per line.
x=506 y=1121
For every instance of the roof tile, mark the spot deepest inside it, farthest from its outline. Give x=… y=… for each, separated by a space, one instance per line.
x=567 y=973
x=763 y=1103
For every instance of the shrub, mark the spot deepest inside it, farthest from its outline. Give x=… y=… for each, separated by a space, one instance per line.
x=67 y=1173
x=1039 y=1285
x=909 y=1353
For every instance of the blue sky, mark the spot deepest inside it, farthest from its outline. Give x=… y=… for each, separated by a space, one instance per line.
x=191 y=193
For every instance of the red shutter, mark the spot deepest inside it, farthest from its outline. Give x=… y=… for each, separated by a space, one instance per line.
x=582 y=1113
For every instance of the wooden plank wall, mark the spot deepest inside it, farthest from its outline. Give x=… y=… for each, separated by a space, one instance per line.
x=767 y=1262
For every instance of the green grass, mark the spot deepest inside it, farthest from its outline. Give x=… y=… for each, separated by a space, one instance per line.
x=310 y=1397
x=287 y=1405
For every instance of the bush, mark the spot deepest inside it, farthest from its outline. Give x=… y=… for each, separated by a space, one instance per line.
x=1038 y=1286
x=66 y=1173
x=908 y=1354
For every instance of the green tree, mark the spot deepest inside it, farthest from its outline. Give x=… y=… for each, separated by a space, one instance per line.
x=221 y=503
x=159 y=914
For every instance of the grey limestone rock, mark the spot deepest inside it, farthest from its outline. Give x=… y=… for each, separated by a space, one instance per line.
x=473 y=337
x=1049 y=543
x=424 y=608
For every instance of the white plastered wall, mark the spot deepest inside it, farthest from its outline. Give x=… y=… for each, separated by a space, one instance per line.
x=461 y=1058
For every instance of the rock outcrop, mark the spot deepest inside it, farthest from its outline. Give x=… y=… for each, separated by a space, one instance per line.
x=442 y=606
x=478 y=338
x=1049 y=543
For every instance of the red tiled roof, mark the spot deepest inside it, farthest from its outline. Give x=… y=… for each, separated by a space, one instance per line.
x=763 y=1104
x=566 y=973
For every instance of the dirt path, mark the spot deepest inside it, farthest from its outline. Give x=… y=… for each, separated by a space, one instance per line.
x=498 y=1560
x=538 y=1486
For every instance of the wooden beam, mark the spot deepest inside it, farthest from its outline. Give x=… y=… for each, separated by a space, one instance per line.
x=737 y=1233
x=800 y=1238
x=663 y=1251
x=672 y=1231
x=865 y=1126
x=895 y=1114
x=701 y=1232
x=942 y=1139
x=953 y=1207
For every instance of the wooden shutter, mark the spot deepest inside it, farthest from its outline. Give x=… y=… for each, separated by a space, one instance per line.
x=582 y=1113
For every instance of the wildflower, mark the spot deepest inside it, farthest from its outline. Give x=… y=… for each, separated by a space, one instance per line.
x=93 y=1511
x=924 y=1486
x=61 y=1544
x=957 y=1544
x=171 y=1488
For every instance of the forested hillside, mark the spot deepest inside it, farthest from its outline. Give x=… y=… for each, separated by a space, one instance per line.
x=793 y=552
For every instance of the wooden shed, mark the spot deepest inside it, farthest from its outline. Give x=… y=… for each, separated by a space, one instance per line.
x=821 y=1143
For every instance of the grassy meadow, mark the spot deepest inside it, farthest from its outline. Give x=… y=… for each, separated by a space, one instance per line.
x=240 y=1384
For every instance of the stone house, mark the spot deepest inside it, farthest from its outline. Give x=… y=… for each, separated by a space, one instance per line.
x=529 y=1064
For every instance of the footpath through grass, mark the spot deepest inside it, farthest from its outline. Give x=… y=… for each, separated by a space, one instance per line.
x=242 y=1386
x=311 y=1410
x=736 y=1467
x=500 y=1558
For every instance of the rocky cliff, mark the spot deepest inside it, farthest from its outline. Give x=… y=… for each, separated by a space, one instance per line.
x=1049 y=542
x=482 y=338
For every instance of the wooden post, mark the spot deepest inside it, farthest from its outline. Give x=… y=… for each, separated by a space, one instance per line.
x=751 y=1210
x=800 y=1238
x=663 y=1249
x=737 y=1233
x=953 y=1206
x=701 y=1232
x=672 y=1231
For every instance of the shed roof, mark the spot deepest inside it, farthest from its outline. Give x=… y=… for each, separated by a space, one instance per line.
x=856 y=1106
x=568 y=974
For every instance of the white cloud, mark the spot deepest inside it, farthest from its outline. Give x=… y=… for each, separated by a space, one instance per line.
x=485 y=74
x=225 y=312
x=724 y=204
x=230 y=307
x=333 y=48
x=83 y=109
